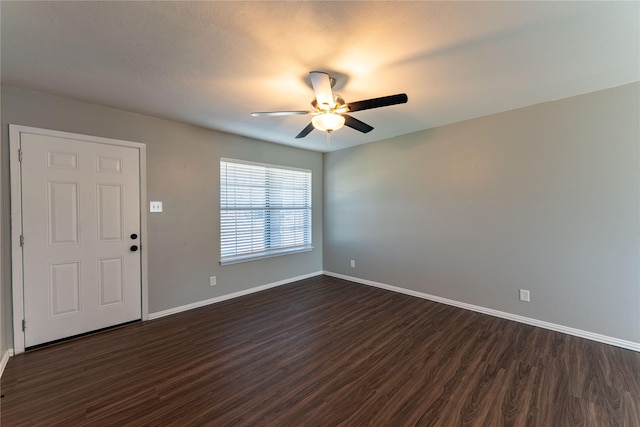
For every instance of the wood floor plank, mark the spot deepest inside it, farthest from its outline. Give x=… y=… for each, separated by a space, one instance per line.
x=324 y=352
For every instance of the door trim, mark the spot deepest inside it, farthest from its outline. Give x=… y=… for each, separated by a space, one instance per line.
x=17 y=277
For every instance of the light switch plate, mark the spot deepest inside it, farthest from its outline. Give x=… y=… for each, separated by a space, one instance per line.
x=155 y=206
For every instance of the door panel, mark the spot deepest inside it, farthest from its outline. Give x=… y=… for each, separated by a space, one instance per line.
x=80 y=204
x=110 y=281
x=110 y=213
x=62 y=212
x=64 y=283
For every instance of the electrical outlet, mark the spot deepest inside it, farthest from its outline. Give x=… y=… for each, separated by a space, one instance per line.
x=525 y=295
x=212 y=281
x=353 y=263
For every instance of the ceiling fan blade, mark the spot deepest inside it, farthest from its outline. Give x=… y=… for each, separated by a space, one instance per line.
x=278 y=113
x=322 y=88
x=384 y=101
x=356 y=124
x=305 y=131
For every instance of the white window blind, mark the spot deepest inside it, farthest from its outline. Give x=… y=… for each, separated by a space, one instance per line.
x=265 y=210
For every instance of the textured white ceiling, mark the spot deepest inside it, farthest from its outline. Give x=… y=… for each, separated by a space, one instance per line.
x=213 y=63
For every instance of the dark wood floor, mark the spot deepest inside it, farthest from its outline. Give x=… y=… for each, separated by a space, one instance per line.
x=325 y=352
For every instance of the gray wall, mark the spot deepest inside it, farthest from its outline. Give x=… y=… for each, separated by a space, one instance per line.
x=183 y=172
x=545 y=198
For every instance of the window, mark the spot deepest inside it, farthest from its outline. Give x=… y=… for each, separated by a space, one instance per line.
x=265 y=210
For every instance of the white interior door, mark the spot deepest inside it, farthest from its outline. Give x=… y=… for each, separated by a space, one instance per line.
x=81 y=229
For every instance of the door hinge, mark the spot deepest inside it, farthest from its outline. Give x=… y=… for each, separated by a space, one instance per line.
x=21 y=240
x=24 y=324
x=20 y=155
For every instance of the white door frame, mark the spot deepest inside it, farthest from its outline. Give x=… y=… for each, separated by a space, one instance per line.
x=17 y=254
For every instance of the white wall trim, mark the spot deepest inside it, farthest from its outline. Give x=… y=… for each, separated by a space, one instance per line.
x=221 y=298
x=16 y=231
x=630 y=345
x=5 y=359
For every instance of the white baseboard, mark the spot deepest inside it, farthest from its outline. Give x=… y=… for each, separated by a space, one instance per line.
x=630 y=345
x=5 y=359
x=221 y=298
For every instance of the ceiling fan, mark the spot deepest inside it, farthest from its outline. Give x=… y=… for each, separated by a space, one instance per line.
x=329 y=110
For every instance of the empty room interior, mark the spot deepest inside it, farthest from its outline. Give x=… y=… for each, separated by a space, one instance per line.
x=320 y=213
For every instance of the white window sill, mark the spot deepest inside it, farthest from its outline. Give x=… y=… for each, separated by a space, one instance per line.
x=263 y=255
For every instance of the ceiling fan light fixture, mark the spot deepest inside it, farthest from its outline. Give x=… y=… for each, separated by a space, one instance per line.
x=328 y=122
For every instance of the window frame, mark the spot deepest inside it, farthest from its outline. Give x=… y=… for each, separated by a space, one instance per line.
x=306 y=212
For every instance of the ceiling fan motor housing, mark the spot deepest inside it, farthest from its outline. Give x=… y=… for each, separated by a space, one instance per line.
x=339 y=105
